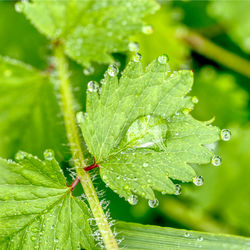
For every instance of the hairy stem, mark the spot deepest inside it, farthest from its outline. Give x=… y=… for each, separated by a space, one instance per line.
x=216 y=53
x=73 y=135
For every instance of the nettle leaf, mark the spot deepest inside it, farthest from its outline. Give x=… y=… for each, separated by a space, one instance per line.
x=37 y=208
x=90 y=29
x=140 y=132
x=30 y=115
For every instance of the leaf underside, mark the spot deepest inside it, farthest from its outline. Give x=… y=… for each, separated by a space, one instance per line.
x=141 y=133
x=90 y=29
x=37 y=209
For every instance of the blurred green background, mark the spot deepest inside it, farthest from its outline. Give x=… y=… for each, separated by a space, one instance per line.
x=222 y=204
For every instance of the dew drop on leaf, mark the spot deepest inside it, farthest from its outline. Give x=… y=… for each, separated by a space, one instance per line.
x=195 y=99
x=225 y=134
x=20 y=155
x=93 y=86
x=18 y=7
x=148 y=29
x=133 y=46
x=198 y=180
x=216 y=160
x=49 y=155
x=112 y=70
x=177 y=189
x=145 y=165
x=133 y=200
x=153 y=203
x=163 y=59
x=137 y=57
x=88 y=71
x=200 y=238
x=187 y=234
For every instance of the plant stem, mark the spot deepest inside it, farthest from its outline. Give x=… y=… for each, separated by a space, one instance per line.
x=210 y=50
x=73 y=135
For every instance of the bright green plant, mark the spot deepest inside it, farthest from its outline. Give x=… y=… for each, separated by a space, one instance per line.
x=137 y=129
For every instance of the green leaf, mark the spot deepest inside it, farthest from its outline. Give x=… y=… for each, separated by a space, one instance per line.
x=90 y=29
x=139 y=130
x=30 y=117
x=234 y=16
x=37 y=208
x=145 y=237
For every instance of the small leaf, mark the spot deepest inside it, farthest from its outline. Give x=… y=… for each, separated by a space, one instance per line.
x=148 y=237
x=30 y=117
x=90 y=29
x=37 y=208
x=140 y=132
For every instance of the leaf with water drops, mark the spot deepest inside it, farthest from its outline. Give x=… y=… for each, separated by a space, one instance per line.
x=37 y=208
x=140 y=131
x=30 y=117
x=90 y=29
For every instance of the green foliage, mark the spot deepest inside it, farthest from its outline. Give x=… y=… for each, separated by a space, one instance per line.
x=30 y=115
x=147 y=237
x=234 y=16
x=90 y=30
x=213 y=88
x=37 y=209
x=139 y=130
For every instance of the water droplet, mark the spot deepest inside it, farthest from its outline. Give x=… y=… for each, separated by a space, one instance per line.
x=56 y=240
x=216 y=160
x=112 y=70
x=225 y=134
x=133 y=46
x=18 y=7
x=148 y=29
x=126 y=187
x=133 y=200
x=49 y=155
x=80 y=117
x=177 y=189
x=145 y=165
x=153 y=203
x=163 y=59
x=198 y=180
x=187 y=234
x=200 y=238
x=93 y=86
x=88 y=71
x=137 y=57
x=20 y=155
x=195 y=99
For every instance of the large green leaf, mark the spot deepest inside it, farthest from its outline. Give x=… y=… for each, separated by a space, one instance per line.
x=30 y=115
x=139 y=130
x=147 y=237
x=37 y=208
x=90 y=29
x=234 y=16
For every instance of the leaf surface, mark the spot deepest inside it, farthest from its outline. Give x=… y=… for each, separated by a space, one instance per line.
x=139 y=130
x=90 y=29
x=148 y=237
x=30 y=115
x=37 y=209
